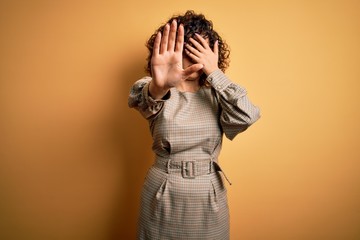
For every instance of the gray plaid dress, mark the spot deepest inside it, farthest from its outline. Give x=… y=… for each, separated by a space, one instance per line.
x=185 y=127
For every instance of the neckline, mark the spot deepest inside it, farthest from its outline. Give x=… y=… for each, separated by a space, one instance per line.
x=188 y=92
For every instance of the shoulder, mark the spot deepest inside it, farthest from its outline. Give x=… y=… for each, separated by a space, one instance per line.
x=141 y=82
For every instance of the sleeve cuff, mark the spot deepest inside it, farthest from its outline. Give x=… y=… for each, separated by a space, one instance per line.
x=218 y=80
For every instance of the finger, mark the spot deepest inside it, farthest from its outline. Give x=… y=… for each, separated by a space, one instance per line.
x=216 y=48
x=191 y=50
x=197 y=44
x=156 y=47
x=202 y=40
x=164 y=39
x=172 y=36
x=180 y=39
x=191 y=69
x=192 y=56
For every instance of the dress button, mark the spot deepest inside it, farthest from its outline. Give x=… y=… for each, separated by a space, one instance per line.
x=218 y=86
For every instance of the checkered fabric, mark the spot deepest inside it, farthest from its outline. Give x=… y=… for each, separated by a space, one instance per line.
x=185 y=127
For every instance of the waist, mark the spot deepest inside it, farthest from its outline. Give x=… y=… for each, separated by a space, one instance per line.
x=188 y=168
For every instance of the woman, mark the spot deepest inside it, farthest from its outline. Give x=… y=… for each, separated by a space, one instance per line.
x=189 y=103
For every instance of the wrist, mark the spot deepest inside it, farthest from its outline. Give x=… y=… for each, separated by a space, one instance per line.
x=157 y=92
x=210 y=70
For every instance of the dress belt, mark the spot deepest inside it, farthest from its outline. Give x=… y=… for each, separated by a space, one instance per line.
x=188 y=168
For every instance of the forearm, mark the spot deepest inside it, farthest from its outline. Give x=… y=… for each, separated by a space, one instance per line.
x=238 y=112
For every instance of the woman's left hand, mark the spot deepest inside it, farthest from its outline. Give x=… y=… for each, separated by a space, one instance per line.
x=202 y=53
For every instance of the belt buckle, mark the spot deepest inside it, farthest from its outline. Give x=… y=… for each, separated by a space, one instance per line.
x=188 y=169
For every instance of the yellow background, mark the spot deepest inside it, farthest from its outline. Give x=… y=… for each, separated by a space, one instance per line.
x=73 y=156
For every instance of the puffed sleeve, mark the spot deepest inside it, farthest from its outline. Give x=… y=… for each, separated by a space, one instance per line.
x=140 y=99
x=238 y=112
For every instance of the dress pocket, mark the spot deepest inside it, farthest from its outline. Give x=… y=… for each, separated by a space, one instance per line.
x=217 y=192
x=160 y=202
x=162 y=190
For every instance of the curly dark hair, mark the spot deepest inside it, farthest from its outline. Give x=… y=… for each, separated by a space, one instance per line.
x=194 y=23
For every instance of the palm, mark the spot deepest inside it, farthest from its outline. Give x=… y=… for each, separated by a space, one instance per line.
x=166 y=61
x=167 y=69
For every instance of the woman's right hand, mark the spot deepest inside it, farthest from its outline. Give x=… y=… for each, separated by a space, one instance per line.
x=166 y=62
